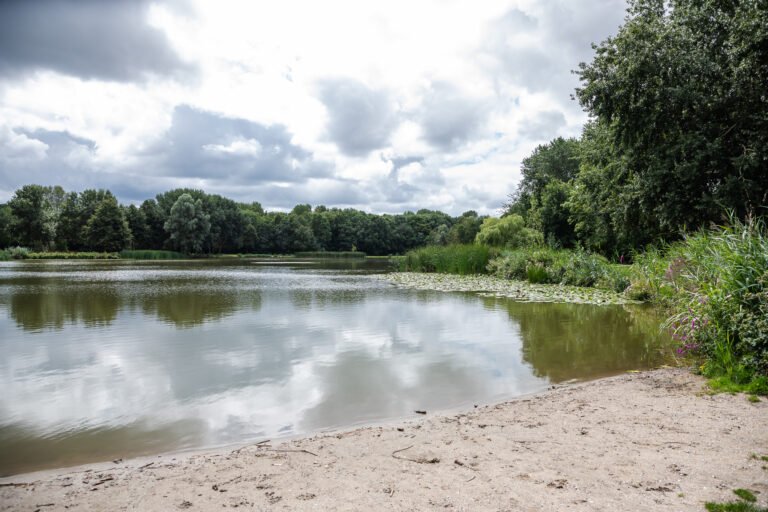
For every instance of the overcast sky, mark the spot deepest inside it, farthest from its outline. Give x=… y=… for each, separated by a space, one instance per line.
x=382 y=106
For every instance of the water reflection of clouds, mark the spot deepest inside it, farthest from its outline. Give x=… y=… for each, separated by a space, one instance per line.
x=238 y=362
x=257 y=372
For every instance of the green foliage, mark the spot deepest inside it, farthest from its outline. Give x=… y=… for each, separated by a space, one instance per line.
x=147 y=254
x=187 y=225
x=735 y=506
x=745 y=494
x=545 y=188
x=5 y=255
x=6 y=225
x=107 y=230
x=18 y=253
x=450 y=259
x=32 y=216
x=509 y=232
x=679 y=99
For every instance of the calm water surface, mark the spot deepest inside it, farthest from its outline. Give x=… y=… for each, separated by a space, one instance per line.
x=102 y=360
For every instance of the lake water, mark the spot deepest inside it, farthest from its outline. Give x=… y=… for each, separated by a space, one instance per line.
x=110 y=359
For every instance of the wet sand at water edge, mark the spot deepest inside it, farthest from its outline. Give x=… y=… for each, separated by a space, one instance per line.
x=641 y=441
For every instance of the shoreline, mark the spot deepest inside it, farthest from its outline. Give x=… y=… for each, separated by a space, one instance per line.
x=647 y=440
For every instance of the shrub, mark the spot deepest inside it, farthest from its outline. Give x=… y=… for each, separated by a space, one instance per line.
x=18 y=253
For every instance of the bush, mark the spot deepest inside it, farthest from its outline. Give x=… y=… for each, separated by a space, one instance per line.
x=18 y=253
x=560 y=266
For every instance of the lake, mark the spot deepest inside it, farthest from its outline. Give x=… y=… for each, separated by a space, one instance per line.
x=110 y=359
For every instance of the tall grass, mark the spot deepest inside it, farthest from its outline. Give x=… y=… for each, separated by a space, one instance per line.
x=450 y=259
x=5 y=255
x=714 y=284
x=151 y=255
x=331 y=254
x=57 y=255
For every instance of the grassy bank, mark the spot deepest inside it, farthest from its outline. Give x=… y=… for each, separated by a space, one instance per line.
x=714 y=284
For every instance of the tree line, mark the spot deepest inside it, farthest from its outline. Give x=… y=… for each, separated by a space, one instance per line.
x=194 y=222
x=678 y=134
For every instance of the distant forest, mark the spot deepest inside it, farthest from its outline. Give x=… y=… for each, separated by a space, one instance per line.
x=194 y=222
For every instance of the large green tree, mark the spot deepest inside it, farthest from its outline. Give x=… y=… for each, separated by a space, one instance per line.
x=33 y=217
x=188 y=225
x=680 y=97
x=107 y=229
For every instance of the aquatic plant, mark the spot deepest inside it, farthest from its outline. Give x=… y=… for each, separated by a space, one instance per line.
x=151 y=255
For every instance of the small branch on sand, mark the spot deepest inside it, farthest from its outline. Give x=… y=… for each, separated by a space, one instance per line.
x=103 y=480
x=297 y=451
x=249 y=445
x=421 y=460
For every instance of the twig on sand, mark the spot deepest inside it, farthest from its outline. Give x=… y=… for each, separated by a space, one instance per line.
x=421 y=460
x=249 y=445
x=297 y=451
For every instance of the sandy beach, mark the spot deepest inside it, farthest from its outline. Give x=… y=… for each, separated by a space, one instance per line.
x=640 y=441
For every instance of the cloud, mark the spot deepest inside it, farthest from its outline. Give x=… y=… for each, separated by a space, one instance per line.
x=544 y=126
x=90 y=39
x=449 y=118
x=535 y=49
x=202 y=144
x=360 y=119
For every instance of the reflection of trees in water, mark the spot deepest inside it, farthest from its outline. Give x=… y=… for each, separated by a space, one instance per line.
x=568 y=341
x=56 y=306
x=96 y=306
x=187 y=307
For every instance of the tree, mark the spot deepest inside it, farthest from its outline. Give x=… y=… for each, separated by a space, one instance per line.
x=76 y=211
x=188 y=225
x=32 y=217
x=509 y=231
x=137 y=223
x=679 y=94
x=155 y=235
x=6 y=223
x=107 y=229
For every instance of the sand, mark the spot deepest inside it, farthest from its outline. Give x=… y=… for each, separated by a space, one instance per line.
x=641 y=441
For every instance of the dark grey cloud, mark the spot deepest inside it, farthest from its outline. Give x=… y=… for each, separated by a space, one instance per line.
x=57 y=141
x=360 y=119
x=91 y=39
x=544 y=126
x=202 y=144
x=449 y=118
x=237 y=157
x=553 y=42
